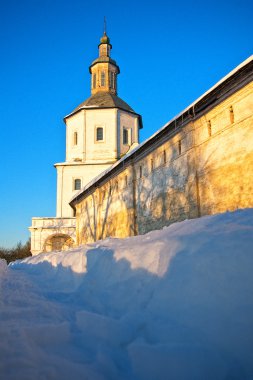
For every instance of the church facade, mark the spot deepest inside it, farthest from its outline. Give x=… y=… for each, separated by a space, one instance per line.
x=98 y=133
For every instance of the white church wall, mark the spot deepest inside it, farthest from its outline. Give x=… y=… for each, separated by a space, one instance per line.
x=105 y=150
x=66 y=175
x=44 y=229
x=130 y=123
x=75 y=150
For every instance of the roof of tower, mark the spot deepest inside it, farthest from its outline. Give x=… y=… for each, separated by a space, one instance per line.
x=106 y=99
x=104 y=59
x=103 y=100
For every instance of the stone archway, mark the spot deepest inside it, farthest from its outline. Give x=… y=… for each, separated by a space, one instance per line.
x=58 y=242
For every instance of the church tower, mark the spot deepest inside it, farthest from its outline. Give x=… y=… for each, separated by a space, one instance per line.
x=98 y=133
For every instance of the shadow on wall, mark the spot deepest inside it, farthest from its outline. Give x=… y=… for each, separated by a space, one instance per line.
x=163 y=192
x=93 y=219
x=102 y=217
x=171 y=191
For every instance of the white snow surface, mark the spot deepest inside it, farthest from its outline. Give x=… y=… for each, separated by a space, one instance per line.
x=172 y=304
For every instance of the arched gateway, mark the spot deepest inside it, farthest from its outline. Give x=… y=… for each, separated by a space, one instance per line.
x=58 y=242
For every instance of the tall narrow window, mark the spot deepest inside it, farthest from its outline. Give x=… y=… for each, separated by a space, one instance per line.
x=77 y=184
x=125 y=180
x=164 y=157
x=179 y=147
x=140 y=171
x=125 y=136
x=209 y=128
x=231 y=113
x=113 y=81
x=110 y=79
x=151 y=164
x=100 y=134
x=102 y=78
x=75 y=138
x=94 y=78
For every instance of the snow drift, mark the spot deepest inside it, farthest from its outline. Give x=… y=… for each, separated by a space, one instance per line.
x=172 y=304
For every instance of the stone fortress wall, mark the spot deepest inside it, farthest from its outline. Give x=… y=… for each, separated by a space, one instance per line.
x=200 y=163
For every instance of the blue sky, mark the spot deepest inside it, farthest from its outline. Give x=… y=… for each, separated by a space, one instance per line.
x=169 y=53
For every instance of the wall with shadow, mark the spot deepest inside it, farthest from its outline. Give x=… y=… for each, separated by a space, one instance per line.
x=204 y=167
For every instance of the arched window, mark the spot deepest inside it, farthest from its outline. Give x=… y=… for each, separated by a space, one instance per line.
x=75 y=138
x=94 y=78
x=100 y=134
x=125 y=136
x=77 y=184
x=102 y=78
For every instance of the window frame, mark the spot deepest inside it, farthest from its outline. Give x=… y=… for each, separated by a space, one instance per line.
x=151 y=164
x=179 y=145
x=99 y=127
x=94 y=80
x=75 y=138
x=110 y=79
x=113 y=81
x=125 y=134
x=79 y=181
x=102 y=79
x=164 y=157
x=231 y=115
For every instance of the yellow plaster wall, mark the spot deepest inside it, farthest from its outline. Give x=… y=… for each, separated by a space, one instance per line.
x=212 y=173
x=108 y=211
x=225 y=160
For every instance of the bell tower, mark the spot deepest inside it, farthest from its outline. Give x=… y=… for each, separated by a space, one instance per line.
x=99 y=131
x=104 y=70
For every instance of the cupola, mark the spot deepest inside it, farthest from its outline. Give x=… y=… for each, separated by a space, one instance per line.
x=104 y=69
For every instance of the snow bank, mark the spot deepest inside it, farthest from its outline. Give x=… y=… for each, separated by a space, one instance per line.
x=171 y=304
